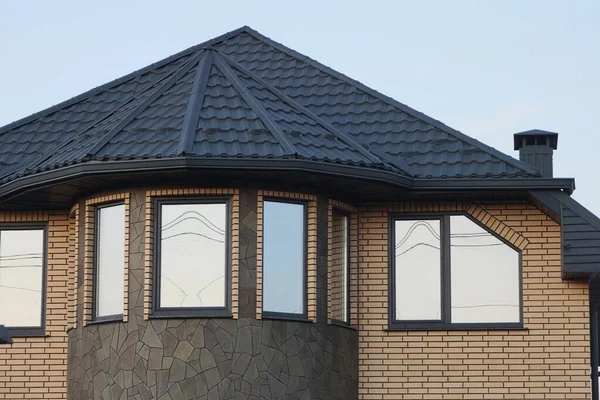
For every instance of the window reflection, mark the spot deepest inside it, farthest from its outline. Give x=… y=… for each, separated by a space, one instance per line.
x=110 y=261
x=417 y=270
x=21 y=277
x=485 y=275
x=193 y=254
x=284 y=256
x=340 y=258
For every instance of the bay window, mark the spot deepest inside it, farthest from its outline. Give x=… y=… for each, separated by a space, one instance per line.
x=284 y=259
x=109 y=265
x=340 y=266
x=192 y=257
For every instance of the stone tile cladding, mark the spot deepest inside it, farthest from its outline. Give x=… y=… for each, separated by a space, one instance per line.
x=36 y=367
x=548 y=360
x=311 y=201
x=235 y=228
x=209 y=358
x=334 y=291
x=89 y=240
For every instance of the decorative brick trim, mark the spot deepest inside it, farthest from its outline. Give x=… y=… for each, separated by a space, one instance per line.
x=73 y=266
x=312 y=249
x=36 y=367
x=497 y=226
x=353 y=213
x=475 y=210
x=89 y=229
x=235 y=240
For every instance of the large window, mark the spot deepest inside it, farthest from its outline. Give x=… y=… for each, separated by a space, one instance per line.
x=22 y=279
x=192 y=257
x=340 y=266
x=284 y=259
x=109 y=264
x=450 y=272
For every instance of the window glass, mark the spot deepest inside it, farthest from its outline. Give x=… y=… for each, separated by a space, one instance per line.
x=339 y=269
x=193 y=255
x=110 y=260
x=284 y=255
x=417 y=270
x=485 y=275
x=21 y=277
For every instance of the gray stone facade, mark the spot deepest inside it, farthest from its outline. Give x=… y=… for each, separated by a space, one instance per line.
x=172 y=359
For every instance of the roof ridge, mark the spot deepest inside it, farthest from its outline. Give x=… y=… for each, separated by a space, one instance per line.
x=347 y=138
x=393 y=102
x=122 y=79
x=255 y=106
x=192 y=114
x=168 y=83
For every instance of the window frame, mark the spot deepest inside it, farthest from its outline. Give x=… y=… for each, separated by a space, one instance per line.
x=32 y=331
x=445 y=321
x=283 y=315
x=114 y=317
x=190 y=312
x=348 y=216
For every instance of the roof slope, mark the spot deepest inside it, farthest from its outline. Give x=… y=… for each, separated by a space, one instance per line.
x=243 y=95
x=580 y=232
x=207 y=106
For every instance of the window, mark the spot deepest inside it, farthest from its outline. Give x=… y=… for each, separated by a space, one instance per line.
x=284 y=259
x=109 y=266
x=192 y=257
x=340 y=266
x=22 y=279
x=450 y=272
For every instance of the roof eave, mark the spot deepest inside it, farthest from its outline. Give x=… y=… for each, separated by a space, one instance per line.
x=97 y=168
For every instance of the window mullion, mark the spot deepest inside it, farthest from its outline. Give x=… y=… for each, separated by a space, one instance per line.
x=446 y=271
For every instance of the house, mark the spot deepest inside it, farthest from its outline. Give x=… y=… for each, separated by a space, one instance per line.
x=238 y=221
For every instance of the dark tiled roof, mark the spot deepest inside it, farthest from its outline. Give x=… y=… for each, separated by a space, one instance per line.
x=244 y=96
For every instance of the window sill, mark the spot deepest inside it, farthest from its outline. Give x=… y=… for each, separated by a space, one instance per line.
x=106 y=320
x=394 y=327
x=342 y=324
x=183 y=313
x=285 y=317
x=26 y=332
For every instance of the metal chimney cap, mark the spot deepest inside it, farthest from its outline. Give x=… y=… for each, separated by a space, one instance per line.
x=552 y=138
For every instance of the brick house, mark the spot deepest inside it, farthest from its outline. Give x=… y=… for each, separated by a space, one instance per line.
x=238 y=221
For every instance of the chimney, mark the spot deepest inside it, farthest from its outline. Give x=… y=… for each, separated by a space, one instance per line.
x=536 y=148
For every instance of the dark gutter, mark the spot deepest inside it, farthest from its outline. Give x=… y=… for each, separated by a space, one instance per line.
x=5 y=336
x=47 y=178
x=566 y=184
x=93 y=168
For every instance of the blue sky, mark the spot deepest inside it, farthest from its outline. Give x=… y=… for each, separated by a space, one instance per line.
x=489 y=69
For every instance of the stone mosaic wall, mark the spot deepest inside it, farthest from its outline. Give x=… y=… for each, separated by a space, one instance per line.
x=210 y=358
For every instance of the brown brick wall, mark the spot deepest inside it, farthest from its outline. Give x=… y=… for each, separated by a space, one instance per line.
x=547 y=360
x=36 y=367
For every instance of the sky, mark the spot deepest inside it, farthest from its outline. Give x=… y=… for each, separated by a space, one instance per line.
x=486 y=68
